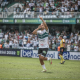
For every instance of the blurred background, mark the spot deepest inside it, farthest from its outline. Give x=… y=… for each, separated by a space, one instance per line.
x=18 y=18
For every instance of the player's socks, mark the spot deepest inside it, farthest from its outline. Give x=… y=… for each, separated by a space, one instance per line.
x=61 y=58
x=48 y=59
x=63 y=61
x=43 y=66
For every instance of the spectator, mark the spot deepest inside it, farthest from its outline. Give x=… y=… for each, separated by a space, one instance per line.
x=0 y=9
x=16 y=45
x=14 y=9
x=23 y=8
x=40 y=9
x=76 y=42
x=65 y=8
x=68 y=35
x=28 y=44
x=53 y=46
x=5 y=9
x=24 y=42
x=72 y=9
x=6 y=36
x=76 y=47
x=35 y=44
x=20 y=41
x=32 y=6
x=5 y=12
x=76 y=7
x=28 y=8
x=79 y=47
x=18 y=9
x=29 y=13
x=6 y=45
x=1 y=46
x=13 y=45
x=79 y=5
x=79 y=36
x=57 y=44
x=64 y=36
x=69 y=41
x=72 y=47
x=62 y=9
x=10 y=43
x=68 y=47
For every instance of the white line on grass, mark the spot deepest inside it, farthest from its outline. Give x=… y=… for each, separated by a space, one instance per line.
x=38 y=78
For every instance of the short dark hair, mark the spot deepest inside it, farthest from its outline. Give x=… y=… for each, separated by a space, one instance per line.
x=61 y=36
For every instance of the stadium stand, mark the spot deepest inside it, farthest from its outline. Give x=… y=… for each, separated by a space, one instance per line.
x=46 y=9
x=20 y=40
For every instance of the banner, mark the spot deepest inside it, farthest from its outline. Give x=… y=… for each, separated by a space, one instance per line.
x=38 y=21
x=7 y=20
x=74 y=56
x=26 y=53
x=10 y=52
x=62 y=21
x=78 y=21
x=48 y=21
x=53 y=54
x=34 y=54
x=28 y=21
x=66 y=55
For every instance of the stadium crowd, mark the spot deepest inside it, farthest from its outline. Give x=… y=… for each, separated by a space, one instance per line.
x=46 y=6
x=27 y=40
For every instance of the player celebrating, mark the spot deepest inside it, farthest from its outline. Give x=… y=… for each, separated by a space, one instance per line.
x=62 y=46
x=42 y=32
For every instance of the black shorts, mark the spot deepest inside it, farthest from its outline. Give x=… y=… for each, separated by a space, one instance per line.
x=42 y=51
x=61 y=52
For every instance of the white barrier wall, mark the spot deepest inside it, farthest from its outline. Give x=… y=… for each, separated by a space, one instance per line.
x=53 y=54
x=74 y=56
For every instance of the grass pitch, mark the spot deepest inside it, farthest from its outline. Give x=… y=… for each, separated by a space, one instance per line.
x=17 y=68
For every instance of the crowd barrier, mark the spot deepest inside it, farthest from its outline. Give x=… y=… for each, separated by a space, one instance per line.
x=53 y=54
x=34 y=54
x=10 y=52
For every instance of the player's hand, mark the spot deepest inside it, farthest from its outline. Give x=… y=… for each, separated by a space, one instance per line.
x=39 y=27
x=40 y=17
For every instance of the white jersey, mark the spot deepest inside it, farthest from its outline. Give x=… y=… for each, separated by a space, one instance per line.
x=43 y=38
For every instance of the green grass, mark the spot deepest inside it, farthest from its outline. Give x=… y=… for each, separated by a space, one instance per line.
x=17 y=68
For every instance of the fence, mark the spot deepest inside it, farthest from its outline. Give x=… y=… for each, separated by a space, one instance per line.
x=34 y=54
x=42 y=14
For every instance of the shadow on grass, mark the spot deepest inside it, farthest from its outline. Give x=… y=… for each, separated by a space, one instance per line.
x=46 y=72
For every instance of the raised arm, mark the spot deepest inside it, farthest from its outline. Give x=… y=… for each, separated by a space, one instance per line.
x=35 y=31
x=46 y=27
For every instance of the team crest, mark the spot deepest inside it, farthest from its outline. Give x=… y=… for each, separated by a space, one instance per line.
x=44 y=52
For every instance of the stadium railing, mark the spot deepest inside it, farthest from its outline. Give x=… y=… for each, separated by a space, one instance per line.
x=42 y=14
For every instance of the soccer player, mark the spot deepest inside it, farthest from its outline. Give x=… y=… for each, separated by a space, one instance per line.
x=62 y=46
x=42 y=31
